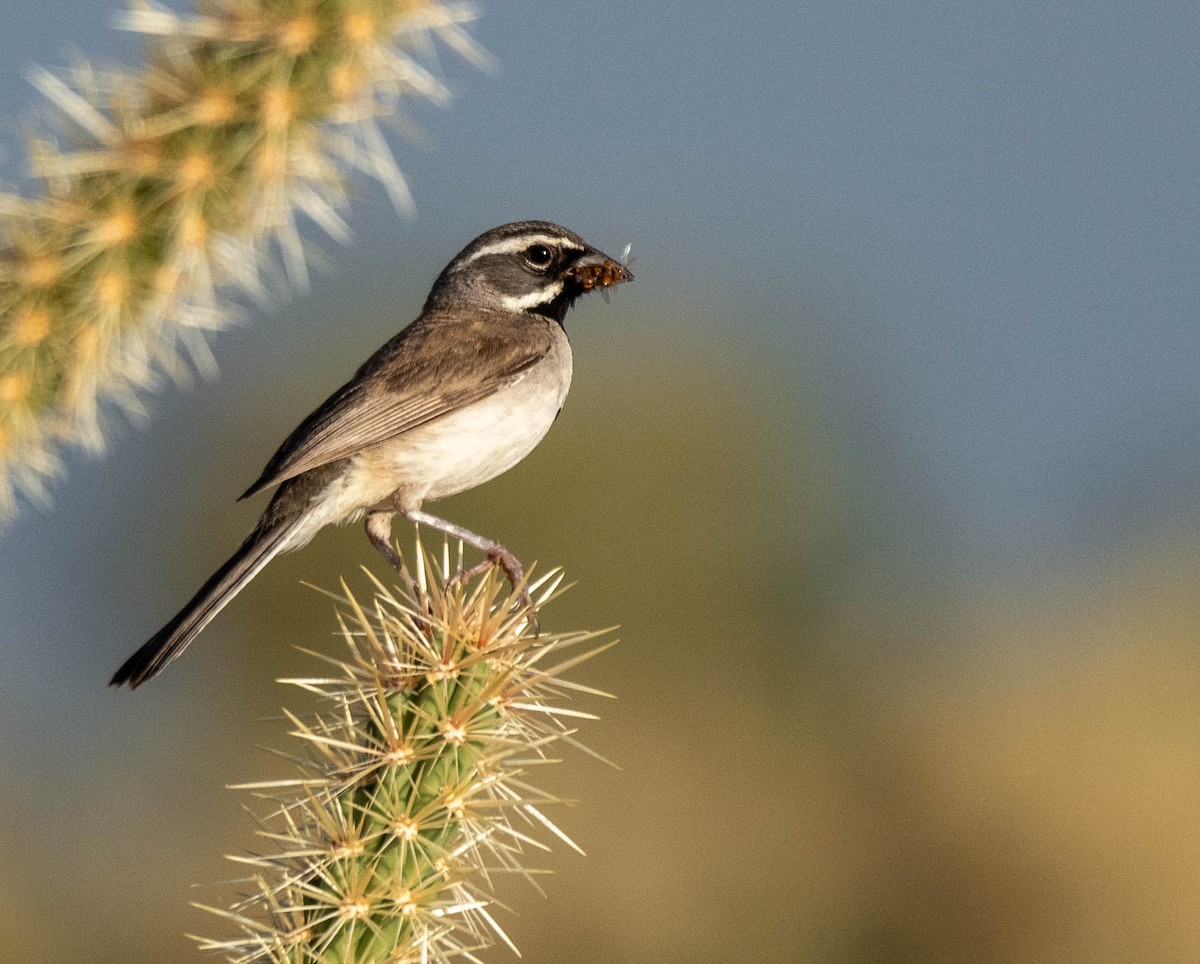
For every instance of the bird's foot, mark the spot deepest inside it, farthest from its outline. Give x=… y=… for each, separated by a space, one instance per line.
x=500 y=557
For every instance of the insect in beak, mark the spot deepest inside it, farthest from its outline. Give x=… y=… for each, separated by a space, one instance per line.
x=598 y=270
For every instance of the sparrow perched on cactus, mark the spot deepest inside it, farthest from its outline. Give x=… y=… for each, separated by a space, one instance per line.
x=459 y=396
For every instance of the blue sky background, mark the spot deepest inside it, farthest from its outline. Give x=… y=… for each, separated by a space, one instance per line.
x=995 y=202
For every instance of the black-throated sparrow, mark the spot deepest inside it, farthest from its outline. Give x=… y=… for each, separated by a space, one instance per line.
x=462 y=394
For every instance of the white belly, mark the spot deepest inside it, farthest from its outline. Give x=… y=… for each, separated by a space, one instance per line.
x=456 y=451
x=476 y=443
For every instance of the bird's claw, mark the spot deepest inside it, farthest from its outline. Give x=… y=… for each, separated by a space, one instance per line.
x=511 y=566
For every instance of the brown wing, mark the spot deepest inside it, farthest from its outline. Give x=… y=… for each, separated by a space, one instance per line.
x=435 y=366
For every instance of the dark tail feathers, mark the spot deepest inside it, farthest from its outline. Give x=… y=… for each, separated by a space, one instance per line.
x=225 y=583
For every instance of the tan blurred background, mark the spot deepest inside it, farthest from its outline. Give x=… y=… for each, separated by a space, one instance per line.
x=886 y=466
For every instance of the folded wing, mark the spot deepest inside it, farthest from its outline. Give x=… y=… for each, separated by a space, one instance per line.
x=418 y=376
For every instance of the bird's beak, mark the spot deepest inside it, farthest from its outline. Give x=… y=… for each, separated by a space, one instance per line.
x=597 y=270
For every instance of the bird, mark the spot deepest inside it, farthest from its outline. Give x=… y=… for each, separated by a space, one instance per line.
x=460 y=395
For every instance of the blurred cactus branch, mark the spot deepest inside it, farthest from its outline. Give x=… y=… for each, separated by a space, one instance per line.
x=164 y=191
x=411 y=794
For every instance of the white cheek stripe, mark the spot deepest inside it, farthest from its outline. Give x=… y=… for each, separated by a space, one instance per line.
x=542 y=296
x=520 y=243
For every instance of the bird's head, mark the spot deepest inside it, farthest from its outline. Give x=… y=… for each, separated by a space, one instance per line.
x=528 y=266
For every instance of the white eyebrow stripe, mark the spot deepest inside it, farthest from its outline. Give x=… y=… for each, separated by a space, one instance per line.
x=520 y=243
x=543 y=296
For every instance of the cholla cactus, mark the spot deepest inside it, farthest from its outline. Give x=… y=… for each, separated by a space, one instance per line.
x=163 y=186
x=411 y=792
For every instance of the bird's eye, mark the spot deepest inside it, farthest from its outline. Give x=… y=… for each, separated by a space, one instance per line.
x=538 y=256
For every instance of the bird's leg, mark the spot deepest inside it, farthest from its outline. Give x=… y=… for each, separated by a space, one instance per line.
x=379 y=531
x=496 y=554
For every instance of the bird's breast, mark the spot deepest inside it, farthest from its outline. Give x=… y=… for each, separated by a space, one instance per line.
x=473 y=444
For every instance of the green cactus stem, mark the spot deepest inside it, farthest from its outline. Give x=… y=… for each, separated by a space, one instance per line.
x=412 y=791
